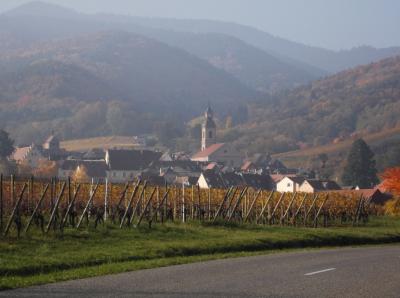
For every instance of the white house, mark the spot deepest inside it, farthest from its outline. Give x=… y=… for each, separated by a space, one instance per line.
x=289 y=184
x=220 y=153
x=313 y=186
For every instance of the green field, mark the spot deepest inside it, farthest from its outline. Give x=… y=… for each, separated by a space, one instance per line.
x=41 y=259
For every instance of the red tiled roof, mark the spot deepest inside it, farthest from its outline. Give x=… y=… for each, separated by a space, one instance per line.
x=246 y=165
x=208 y=151
x=211 y=166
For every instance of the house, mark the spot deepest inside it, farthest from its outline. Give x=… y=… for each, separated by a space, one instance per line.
x=125 y=165
x=211 y=179
x=211 y=151
x=256 y=181
x=220 y=153
x=172 y=170
x=51 y=149
x=232 y=179
x=93 y=169
x=264 y=163
x=86 y=169
x=313 y=186
x=28 y=156
x=67 y=168
x=289 y=184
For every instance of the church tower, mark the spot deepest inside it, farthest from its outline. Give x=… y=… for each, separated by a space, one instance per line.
x=208 y=130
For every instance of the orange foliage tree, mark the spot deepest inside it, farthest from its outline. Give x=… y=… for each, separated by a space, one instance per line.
x=392 y=180
x=392 y=183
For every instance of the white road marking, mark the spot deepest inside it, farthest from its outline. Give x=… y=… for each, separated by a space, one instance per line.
x=321 y=271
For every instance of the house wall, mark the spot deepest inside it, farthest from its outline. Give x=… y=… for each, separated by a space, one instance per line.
x=202 y=182
x=287 y=185
x=306 y=188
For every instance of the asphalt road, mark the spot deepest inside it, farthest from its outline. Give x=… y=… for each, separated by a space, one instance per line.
x=348 y=272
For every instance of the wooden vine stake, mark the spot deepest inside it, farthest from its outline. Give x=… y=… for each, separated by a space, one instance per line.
x=89 y=202
x=146 y=207
x=37 y=207
x=15 y=210
x=57 y=203
x=70 y=206
x=221 y=206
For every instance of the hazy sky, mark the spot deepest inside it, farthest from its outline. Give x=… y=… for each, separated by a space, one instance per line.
x=331 y=24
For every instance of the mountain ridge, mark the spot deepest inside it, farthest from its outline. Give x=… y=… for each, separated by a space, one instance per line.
x=324 y=59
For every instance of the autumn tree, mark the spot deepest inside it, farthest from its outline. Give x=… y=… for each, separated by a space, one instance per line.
x=360 y=169
x=81 y=174
x=391 y=180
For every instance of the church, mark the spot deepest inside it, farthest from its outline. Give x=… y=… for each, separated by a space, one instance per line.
x=211 y=150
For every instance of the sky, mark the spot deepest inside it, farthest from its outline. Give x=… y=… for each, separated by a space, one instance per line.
x=333 y=24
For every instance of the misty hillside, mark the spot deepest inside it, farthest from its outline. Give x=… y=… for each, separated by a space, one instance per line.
x=250 y=65
x=142 y=75
x=34 y=22
x=331 y=61
x=352 y=103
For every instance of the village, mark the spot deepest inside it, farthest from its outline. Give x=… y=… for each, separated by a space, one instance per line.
x=216 y=165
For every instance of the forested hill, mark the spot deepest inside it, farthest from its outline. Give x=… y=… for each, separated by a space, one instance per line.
x=109 y=83
x=36 y=22
x=363 y=100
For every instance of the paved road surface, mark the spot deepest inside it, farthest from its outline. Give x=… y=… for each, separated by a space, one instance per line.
x=349 y=272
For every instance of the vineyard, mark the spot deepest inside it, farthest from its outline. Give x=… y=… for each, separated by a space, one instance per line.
x=53 y=205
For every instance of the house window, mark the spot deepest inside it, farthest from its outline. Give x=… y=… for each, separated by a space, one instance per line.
x=124 y=175
x=210 y=134
x=289 y=185
x=114 y=174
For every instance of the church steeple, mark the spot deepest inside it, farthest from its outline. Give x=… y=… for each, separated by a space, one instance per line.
x=209 y=129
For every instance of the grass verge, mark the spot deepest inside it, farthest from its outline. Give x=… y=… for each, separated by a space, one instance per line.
x=41 y=259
